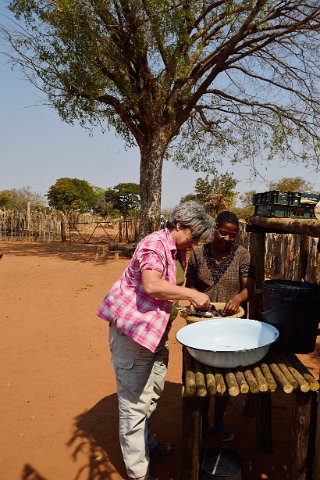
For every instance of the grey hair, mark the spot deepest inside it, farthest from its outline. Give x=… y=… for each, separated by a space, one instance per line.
x=193 y=215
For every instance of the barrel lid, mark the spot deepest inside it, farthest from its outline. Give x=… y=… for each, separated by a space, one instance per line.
x=221 y=462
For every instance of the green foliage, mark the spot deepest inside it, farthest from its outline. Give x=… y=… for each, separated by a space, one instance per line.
x=5 y=199
x=19 y=199
x=101 y=206
x=246 y=198
x=292 y=184
x=189 y=196
x=243 y=212
x=215 y=194
x=69 y=194
x=124 y=197
x=235 y=77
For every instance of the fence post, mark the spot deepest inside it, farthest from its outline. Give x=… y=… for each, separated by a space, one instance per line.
x=120 y=231
x=257 y=252
x=63 y=232
x=303 y=257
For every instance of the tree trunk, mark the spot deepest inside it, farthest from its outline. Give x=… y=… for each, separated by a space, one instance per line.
x=151 y=161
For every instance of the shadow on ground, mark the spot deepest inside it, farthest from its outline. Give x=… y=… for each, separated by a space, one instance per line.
x=64 y=251
x=96 y=436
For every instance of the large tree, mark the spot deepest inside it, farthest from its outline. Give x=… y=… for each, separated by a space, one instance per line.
x=215 y=194
x=69 y=194
x=124 y=197
x=235 y=76
x=292 y=184
x=21 y=199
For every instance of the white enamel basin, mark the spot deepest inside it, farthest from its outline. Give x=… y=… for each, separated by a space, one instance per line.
x=228 y=342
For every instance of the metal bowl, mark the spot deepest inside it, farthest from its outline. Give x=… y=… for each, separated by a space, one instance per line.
x=228 y=342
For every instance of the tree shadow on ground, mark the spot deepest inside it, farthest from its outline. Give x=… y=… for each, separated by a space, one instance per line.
x=30 y=473
x=96 y=436
x=79 y=252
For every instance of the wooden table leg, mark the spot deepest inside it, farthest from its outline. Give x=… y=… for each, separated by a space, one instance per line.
x=304 y=419
x=316 y=461
x=191 y=438
x=264 y=421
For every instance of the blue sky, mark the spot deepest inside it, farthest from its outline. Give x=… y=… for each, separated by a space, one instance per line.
x=37 y=148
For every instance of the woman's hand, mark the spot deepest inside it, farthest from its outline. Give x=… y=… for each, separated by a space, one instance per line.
x=247 y=292
x=154 y=285
x=232 y=305
x=200 y=300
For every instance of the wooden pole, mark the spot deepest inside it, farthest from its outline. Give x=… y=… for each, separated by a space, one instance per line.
x=303 y=434
x=290 y=225
x=191 y=438
x=189 y=374
x=63 y=231
x=257 y=252
x=303 y=257
x=263 y=408
x=200 y=379
x=316 y=461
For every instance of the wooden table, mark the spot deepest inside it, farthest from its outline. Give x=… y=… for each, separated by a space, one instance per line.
x=275 y=373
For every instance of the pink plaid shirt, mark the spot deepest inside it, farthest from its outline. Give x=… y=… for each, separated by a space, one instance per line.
x=135 y=313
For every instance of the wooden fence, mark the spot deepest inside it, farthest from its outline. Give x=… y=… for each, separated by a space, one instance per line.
x=282 y=250
x=282 y=255
x=56 y=227
x=31 y=226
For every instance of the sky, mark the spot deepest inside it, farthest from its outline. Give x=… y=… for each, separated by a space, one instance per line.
x=37 y=148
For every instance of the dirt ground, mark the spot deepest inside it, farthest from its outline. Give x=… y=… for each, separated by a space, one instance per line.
x=58 y=401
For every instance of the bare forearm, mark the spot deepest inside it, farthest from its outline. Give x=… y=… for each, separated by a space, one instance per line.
x=243 y=296
x=167 y=291
x=160 y=288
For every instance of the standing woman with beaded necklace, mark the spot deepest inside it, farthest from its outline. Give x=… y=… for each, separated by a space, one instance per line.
x=224 y=271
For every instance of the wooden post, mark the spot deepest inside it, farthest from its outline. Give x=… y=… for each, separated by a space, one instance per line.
x=303 y=257
x=120 y=231
x=257 y=252
x=316 y=461
x=191 y=438
x=303 y=434
x=263 y=407
x=63 y=231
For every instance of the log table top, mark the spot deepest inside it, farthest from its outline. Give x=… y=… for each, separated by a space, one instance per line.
x=275 y=372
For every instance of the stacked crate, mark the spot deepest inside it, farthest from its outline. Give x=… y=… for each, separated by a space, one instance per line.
x=285 y=204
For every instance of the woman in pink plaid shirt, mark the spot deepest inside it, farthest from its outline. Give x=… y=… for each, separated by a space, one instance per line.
x=140 y=308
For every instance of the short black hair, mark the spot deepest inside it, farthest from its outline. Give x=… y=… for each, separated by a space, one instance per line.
x=227 y=217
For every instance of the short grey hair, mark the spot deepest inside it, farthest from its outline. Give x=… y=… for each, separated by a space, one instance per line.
x=192 y=215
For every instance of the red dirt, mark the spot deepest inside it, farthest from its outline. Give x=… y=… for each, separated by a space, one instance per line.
x=59 y=407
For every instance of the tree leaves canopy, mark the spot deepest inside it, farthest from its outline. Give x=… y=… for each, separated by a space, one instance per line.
x=292 y=184
x=124 y=197
x=68 y=194
x=239 y=76
x=215 y=194
x=19 y=198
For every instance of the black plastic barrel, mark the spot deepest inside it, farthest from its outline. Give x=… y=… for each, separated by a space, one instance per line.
x=294 y=309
